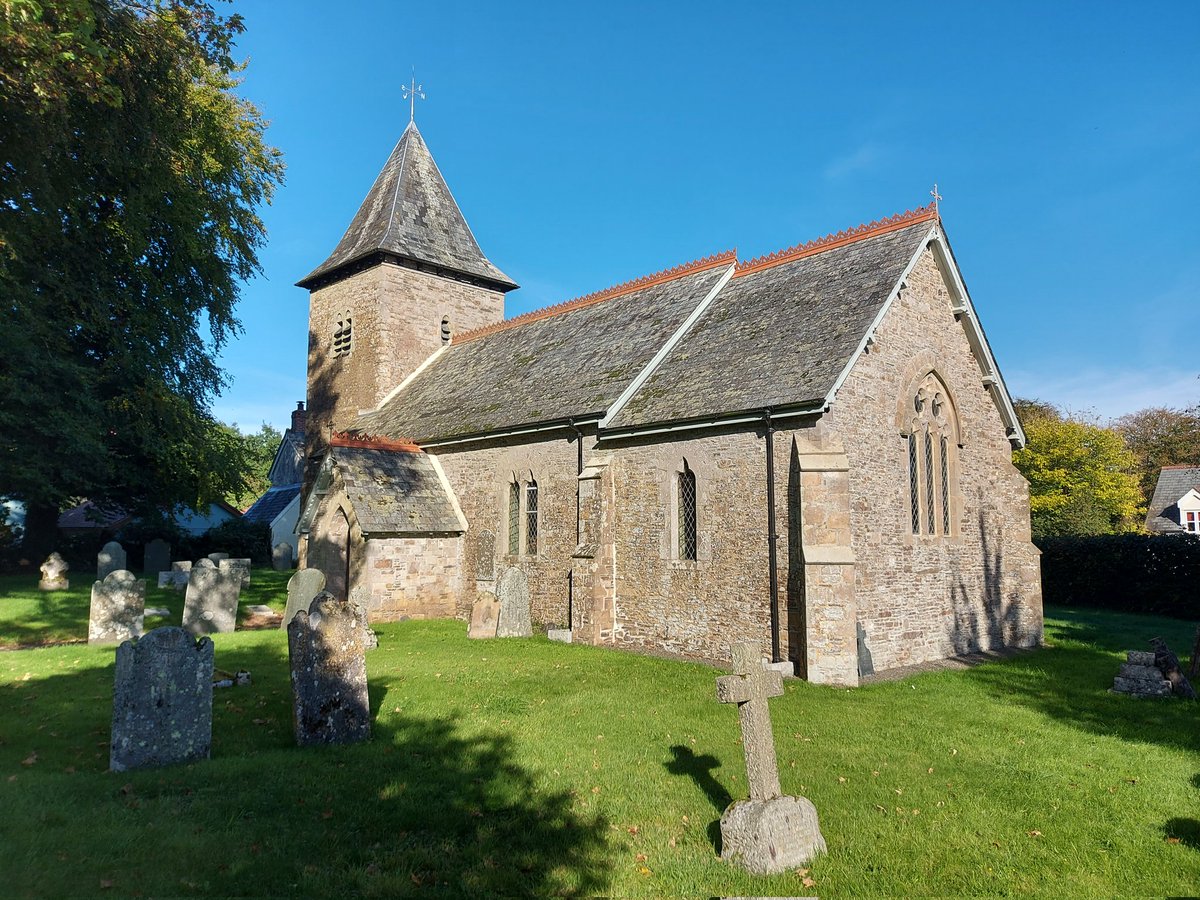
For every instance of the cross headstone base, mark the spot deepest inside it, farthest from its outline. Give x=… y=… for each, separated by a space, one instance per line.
x=766 y=837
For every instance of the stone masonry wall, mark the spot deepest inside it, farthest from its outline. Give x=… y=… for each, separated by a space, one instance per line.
x=925 y=597
x=412 y=577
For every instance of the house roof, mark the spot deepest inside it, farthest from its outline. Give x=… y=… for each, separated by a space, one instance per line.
x=783 y=329
x=1173 y=483
x=410 y=216
x=287 y=468
x=568 y=361
x=395 y=491
x=268 y=507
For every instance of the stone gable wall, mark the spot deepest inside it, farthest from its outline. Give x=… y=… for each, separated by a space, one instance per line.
x=928 y=597
x=412 y=577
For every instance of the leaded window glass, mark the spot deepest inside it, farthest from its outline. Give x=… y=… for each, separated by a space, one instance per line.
x=945 y=448
x=929 y=511
x=514 y=517
x=531 y=518
x=914 y=489
x=687 y=513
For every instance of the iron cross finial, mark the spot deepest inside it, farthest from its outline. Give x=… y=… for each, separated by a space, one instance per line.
x=936 y=196
x=411 y=92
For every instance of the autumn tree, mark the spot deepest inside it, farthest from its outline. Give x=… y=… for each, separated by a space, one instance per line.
x=1081 y=476
x=131 y=177
x=1161 y=437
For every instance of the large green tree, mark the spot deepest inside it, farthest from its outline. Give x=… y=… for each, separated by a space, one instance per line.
x=258 y=449
x=1082 y=477
x=131 y=175
x=1161 y=437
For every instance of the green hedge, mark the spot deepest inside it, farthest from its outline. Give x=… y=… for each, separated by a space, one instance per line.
x=1138 y=573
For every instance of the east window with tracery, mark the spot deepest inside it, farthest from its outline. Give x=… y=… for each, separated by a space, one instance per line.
x=932 y=442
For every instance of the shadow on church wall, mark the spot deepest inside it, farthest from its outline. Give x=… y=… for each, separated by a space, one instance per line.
x=797 y=612
x=989 y=620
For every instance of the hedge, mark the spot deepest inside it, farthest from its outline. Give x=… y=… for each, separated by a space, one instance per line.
x=1140 y=573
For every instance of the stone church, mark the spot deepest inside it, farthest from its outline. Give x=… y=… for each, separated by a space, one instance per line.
x=810 y=450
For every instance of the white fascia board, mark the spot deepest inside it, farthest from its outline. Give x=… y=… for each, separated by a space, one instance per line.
x=976 y=337
x=665 y=350
x=441 y=474
x=883 y=311
x=415 y=372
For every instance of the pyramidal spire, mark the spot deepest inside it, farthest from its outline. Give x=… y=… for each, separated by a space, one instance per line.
x=410 y=217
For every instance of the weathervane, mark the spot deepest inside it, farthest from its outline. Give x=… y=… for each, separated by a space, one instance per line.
x=411 y=92
x=934 y=194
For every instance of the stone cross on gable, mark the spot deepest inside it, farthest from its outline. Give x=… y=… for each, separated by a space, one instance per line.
x=749 y=687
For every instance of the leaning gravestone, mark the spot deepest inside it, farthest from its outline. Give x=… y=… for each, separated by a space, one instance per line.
x=181 y=572
x=513 y=594
x=329 y=673
x=770 y=832
x=118 y=608
x=240 y=567
x=54 y=574
x=217 y=557
x=281 y=556
x=484 y=615
x=156 y=557
x=162 y=701
x=210 y=605
x=302 y=588
x=110 y=558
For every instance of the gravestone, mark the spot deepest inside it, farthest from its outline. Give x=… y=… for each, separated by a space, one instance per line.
x=1168 y=663
x=484 y=615
x=181 y=572
x=210 y=605
x=217 y=557
x=513 y=596
x=281 y=556
x=302 y=588
x=157 y=557
x=240 y=567
x=358 y=599
x=118 y=608
x=110 y=558
x=481 y=554
x=329 y=673
x=1140 y=677
x=770 y=832
x=162 y=701
x=54 y=574
x=166 y=579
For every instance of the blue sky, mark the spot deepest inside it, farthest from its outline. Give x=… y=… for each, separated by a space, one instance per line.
x=588 y=144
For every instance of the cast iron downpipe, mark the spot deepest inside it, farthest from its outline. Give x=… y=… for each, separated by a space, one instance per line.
x=772 y=536
x=578 y=512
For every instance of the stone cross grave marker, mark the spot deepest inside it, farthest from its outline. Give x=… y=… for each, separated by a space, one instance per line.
x=54 y=574
x=210 y=605
x=118 y=608
x=162 y=700
x=770 y=832
x=281 y=556
x=110 y=558
x=156 y=557
x=329 y=673
x=302 y=588
x=513 y=594
x=238 y=567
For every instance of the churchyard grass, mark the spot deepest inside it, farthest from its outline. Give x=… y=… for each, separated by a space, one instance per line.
x=33 y=618
x=525 y=767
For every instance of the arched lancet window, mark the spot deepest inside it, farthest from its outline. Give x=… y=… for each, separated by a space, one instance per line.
x=445 y=329
x=932 y=436
x=531 y=517
x=687 y=512
x=514 y=517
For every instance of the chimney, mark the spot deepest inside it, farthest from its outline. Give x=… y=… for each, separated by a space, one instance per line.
x=298 y=419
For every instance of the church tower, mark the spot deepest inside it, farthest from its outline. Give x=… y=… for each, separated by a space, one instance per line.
x=406 y=276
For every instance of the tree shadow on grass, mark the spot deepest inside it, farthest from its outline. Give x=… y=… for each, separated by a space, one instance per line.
x=428 y=805
x=1183 y=831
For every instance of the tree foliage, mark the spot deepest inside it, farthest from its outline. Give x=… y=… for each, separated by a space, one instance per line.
x=131 y=174
x=1161 y=437
x=258 y=452
x=1081 y=476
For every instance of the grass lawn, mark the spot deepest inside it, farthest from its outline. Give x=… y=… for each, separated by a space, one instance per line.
x=516 y=767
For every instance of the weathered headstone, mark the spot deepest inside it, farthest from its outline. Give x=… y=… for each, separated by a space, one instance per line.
x=329 y=673
x=217 y=557
x=54 y=574
x=238 y=567
x=162 y=700
x=358 y=599
x=210 y=606
x=484 y=615
x=481 y=554
x=181 y=572
x=118 y=608
x=770 y=832
x=1168 y=664
x=110 y=558
x=156 y=557
x=166 y=579
x=281 y=556
x=513 y=595
x=302 y=588
x=1140 y=677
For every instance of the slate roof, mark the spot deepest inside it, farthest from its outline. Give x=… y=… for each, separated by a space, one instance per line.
x=779 y=334
x=568 y=361
x=288 y=465
x=1173 y=483
x=395 y=492
x=409 y=214
x=267 y=507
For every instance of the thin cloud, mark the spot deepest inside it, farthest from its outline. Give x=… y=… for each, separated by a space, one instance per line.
x=1109 y=393
x=863 y=159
